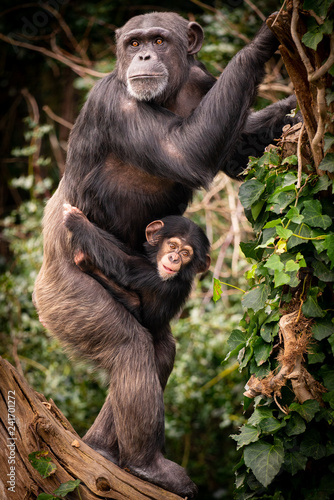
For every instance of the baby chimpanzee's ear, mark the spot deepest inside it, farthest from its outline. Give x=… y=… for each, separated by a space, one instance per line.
x=151 y=231
x=204 y=267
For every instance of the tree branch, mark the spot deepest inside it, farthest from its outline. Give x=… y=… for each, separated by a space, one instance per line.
x=29 y=423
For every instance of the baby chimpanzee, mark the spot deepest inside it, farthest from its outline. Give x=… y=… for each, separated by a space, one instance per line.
x=153 y=286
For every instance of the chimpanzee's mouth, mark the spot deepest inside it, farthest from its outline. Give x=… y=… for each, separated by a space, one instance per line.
x=168 y=270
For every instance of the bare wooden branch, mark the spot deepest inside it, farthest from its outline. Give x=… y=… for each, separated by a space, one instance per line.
x=29 y=423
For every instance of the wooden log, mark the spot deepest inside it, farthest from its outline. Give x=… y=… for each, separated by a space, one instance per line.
x=28 y=423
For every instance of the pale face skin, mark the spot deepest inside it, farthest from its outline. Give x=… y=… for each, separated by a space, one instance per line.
x=173 y=254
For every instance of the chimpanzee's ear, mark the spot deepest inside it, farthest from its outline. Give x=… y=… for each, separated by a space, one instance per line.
x=205 y=267
x=195 y=38
x=151 y=231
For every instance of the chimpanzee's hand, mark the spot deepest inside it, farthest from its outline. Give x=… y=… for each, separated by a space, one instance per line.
x=72 y=217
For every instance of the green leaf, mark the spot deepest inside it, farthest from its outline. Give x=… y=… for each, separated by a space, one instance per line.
x=291 y=160
x=256 y=209
x=322 y=184
x=313 y=215
x=312 y=38
x=311 y=445
x=236 y=338
x=46 y=496
x=271 y=425
x=294 y=462
x=294 y=215
x=329 y=141
x=302 y=230
x=291 y=266
x=250 y=192
x=322 y=329
x=249 y=250
x=217 y=289
x=274 y=262
x=256 y=298
x=264 y=460
x=248 y=434
x=296 y=425
x=283 y=233
x=261 y=351
x=281 y=278
x=322 y=272
x=329 y=245
x=320 y=7
x=260 y=413
x=327 y=163
x=311 y=308
x=268 y=331
x=307 y=410
x=280 y=201
x=273 y=223
x=66 y=488
x=42 y=463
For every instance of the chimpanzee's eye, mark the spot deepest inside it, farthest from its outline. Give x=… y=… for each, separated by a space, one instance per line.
x=134 y=43
x=185 y=253
x=159 y=41
x=172 y=246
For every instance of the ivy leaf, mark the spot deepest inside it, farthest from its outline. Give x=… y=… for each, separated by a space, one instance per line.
x=328 y=140
x=274 y=262
x=250 y=192
x=329 y=246
x=248 y=434
x=322 y=329
x=273 y=223
x=264 y=460
x=322 y=272
x=66 y=488
x=291 y=266
x=322 y=184
x=294 y=462
x=313 y=215
x=271 y=425
x=281 y=279
x=260 y=413
x=312 y=38
x=296 y=425
x=294 y=215
x=307 y=410
x=311 y=308
x=283 y=233
x=42 y=463
x=327 y=163
x=311 y=445
x=217 y=289
x=262 y=351
x=256 y=298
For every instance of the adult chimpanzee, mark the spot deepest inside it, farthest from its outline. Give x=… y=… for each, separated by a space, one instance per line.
x=176 y=250
x=150 y=133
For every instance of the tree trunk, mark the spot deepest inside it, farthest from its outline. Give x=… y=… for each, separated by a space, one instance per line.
x=30 y=423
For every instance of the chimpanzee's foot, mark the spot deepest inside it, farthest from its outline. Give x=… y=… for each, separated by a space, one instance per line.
x=168 y=475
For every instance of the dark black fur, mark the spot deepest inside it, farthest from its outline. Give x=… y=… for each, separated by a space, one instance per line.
x=160 y=301
x=130 y=162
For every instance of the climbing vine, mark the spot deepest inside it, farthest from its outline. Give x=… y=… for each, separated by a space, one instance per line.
x=286 y=337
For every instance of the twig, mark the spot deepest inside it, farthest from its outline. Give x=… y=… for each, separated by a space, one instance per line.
x=256 y=9
x=75 y=67
x=57 y=118
x=279 y=13
x=295 y=37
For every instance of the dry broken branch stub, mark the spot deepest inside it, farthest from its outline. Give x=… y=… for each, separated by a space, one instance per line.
x=39 y=425
x=296 y=336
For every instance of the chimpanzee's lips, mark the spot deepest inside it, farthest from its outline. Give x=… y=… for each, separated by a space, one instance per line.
x=152 y=75
x=168 y=270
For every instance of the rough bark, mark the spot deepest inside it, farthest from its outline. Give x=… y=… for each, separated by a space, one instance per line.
x=32 y=423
